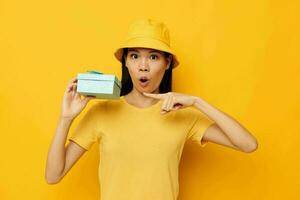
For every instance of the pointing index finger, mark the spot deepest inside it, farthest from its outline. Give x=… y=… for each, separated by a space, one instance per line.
x=155 y=96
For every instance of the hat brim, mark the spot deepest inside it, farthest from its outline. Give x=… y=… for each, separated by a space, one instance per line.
x=146 y=43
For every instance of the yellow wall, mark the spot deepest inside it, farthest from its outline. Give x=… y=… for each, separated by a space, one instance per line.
x=240 y=56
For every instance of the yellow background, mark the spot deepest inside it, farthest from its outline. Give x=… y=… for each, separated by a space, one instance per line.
x=240 y=56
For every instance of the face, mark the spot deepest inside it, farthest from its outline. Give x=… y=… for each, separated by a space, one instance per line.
x=146 y=68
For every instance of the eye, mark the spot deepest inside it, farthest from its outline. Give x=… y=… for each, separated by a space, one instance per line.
x=154 y=56
x=133 y=55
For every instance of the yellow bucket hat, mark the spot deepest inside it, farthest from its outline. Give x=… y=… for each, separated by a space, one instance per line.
x=147 y=33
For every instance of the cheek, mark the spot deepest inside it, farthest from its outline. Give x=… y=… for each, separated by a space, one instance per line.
x=130 y=68
x=161 y=68
x=158 y=76
x=133 y=74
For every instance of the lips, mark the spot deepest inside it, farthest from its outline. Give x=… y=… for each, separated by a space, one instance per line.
x=143 y=78
x=144 y=81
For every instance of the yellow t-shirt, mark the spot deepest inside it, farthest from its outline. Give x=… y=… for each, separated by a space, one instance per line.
x=140 y=149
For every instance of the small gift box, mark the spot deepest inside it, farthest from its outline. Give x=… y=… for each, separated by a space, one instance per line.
x=103 y=86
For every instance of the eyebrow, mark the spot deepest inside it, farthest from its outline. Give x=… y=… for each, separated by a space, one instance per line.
x=138 y=50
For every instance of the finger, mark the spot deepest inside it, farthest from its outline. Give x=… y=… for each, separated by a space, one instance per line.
x=77 y=95
x=155 y=96
x=73 y=80
x=169 y=100
x=90 y=96
x=163 y=107
x=74 y=87
x=71 y=86
x=170 y=103
x=163 y=112
x=166 y=109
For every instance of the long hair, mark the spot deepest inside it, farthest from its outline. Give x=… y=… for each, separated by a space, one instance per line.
x=126 y=82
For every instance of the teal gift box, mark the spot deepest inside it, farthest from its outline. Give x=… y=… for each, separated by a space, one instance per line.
x=103 y=86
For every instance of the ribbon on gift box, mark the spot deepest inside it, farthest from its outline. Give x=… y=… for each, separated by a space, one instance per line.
x=94 y=72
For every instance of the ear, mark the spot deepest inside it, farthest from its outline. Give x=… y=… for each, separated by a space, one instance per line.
x=169 y=58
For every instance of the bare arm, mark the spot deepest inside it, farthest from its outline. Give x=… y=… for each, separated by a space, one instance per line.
x=227 y=131
x=216 y=135
x=61 y=158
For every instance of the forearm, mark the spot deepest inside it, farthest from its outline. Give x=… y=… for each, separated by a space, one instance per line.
x=238 y=135
x=56 y=154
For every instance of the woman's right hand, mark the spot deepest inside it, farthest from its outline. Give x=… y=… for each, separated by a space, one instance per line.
x=72 y=104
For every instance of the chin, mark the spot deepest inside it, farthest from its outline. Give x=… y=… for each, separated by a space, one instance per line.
x=146 y=89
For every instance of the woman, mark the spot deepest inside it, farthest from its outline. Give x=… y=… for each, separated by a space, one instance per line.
x=140 y=147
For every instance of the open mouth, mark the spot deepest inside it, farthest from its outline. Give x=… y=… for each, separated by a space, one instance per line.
x=144 y=81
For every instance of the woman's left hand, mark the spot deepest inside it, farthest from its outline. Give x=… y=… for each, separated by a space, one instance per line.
x=173 y=101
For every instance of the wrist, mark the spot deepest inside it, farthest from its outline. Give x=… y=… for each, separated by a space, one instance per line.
x=66 y=119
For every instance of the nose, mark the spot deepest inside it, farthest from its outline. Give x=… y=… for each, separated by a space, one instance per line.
x=143 y=66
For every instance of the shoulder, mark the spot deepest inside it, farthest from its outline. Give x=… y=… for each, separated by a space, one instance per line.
x=95 y=106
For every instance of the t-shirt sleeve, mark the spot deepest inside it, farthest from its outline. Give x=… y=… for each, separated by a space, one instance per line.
x=87 y=131
x=199 y=124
